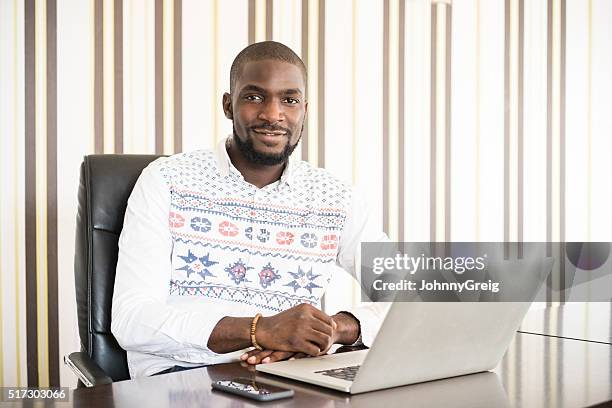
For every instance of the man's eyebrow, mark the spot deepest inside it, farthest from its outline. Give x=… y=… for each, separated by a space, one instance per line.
x=255 y=88
x=252 y=88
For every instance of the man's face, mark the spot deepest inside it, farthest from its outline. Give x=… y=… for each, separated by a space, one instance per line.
x=268 y=108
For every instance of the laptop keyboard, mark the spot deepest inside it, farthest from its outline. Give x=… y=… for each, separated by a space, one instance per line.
x=344 y=373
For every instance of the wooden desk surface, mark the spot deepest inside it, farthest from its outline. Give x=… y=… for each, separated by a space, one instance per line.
x=537 y=371
x=583 y=321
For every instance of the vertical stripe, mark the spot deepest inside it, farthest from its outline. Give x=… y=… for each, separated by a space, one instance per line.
x=159 y=84
x=520 y=125
x=16 y=218
x=507 y=107
x=447 y=130
x=98 y=77
x=562 y=150
x=52 y=236
x=321 y=85
x=118 y=62
x=40 y=58
x=549 y=79
x=178 y=76
x=385 y=126
x=30 y=193
x=401 y=119
x=432 y=125
x=269 y=19
x=394 y=114
x=305 y=59
x=108 y=76
x=477 y=124
x=167 y=41
x=252 y=20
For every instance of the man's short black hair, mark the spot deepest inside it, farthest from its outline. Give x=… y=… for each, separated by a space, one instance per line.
x=262 y=51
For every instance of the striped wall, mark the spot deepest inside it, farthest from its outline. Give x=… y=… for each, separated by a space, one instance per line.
x=476 y=120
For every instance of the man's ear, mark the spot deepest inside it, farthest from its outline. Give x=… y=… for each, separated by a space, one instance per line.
x=227 y=106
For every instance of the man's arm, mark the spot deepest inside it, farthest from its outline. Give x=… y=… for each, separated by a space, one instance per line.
x=301 y=329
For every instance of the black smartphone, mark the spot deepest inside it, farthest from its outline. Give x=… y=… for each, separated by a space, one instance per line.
x=258 y=391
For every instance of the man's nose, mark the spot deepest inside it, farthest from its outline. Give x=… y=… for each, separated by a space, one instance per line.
x=272 y=112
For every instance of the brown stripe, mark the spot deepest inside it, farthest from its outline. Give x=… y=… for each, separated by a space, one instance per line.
x=385 y=106
x=507 y=108
x=252 y=21
x=447 y=129
x=269 y=19
x=321 y=86
x=52 y=236
x=401 y=118
x=30 y=191
x=305 y=59
x=178 y=76
x=98 y=77
x=549 y=35
x=118 y=57
x=159 y=77
x=562 y=151
x=432 y=126
x=520 y=158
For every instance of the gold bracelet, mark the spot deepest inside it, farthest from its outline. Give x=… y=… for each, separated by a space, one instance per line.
x=253 y=328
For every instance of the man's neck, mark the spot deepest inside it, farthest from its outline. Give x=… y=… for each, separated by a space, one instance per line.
x=257 y=174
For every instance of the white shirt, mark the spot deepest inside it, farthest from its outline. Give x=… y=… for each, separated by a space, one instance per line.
x=200 y=243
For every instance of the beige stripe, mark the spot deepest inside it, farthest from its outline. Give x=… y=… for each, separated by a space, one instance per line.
x=168 y=75
x=269 y=20
x=304 y=55
x=447 y=126
x=159 y=76
x=385 y=116
x=118 y=70
x=108 y=63
x=321 y=85
x=178 y=76
x=16 y=234
x=477 y=125
x=41 y=191
x=260 y=20
x=98 y=67
x=441 y=121
x=401 y=121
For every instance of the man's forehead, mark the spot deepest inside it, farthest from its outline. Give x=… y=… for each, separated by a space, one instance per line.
x=272 y=75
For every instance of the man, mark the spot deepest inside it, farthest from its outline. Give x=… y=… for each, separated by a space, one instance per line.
x=214 y=239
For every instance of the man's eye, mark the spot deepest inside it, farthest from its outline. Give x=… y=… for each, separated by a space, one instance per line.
x=291 y=101
x=253 y=98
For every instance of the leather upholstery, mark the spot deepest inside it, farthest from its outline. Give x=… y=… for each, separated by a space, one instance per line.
x=105 y=186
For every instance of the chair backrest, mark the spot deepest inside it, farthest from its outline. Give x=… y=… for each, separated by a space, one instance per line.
x=105 y=186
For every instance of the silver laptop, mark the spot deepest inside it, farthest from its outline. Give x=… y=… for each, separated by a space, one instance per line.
x=420 y=341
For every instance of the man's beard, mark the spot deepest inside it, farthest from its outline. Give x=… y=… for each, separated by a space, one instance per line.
x=266 y=159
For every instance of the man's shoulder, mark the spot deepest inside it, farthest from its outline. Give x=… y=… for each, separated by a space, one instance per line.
x=321 y=180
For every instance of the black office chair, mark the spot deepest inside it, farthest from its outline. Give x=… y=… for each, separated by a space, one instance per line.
x=106 y=184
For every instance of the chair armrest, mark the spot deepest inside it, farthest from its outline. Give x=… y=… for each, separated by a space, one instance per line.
x=86 y=369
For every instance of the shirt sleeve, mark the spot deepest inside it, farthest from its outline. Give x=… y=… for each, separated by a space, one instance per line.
x=142 y=318
x=359 y=227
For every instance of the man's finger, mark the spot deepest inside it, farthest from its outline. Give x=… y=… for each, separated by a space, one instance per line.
x=277 y=356
x=322 y=316
x=256 y=359
x=298 y=355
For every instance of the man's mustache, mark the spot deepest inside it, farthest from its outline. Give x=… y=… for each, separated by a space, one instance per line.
x=271 y=129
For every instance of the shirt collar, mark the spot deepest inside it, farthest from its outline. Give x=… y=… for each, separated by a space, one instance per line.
x=226 y=167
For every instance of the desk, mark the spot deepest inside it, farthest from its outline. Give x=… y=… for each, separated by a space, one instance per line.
x=583 y=321
x=537 y=371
